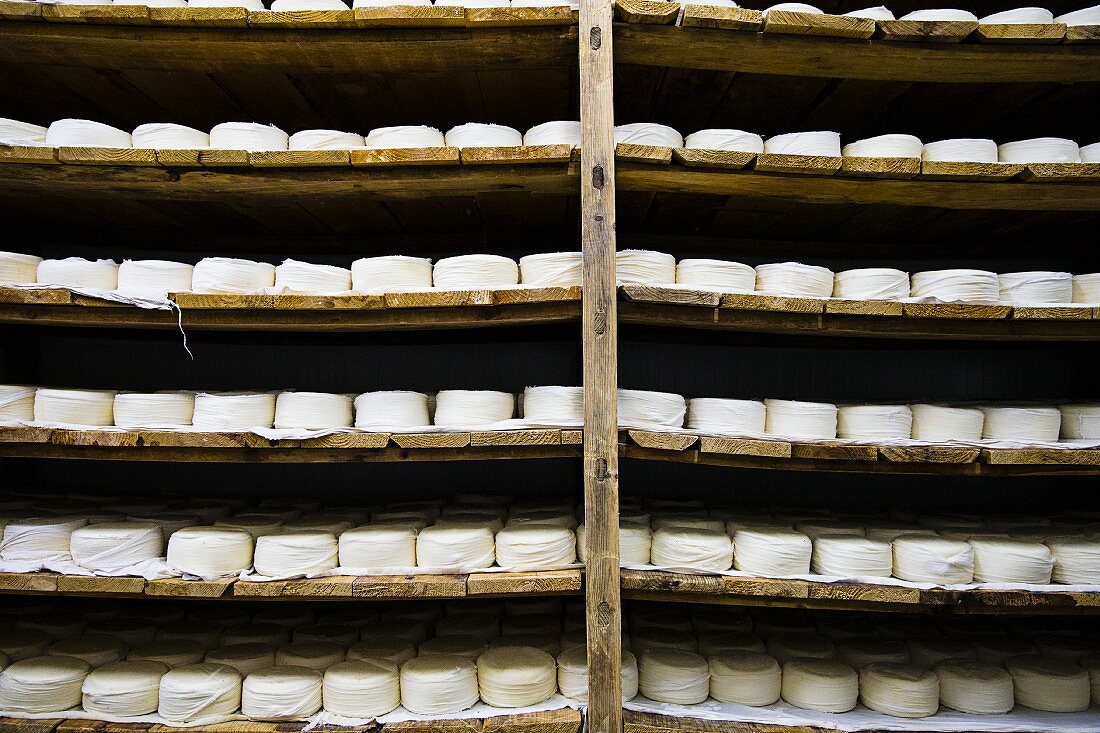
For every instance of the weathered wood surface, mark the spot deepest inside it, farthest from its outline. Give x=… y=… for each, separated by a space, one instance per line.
x=699 y=158
x=942 y=170
x=1020 y=32
x=862 y=167
x=650 y=154
x=817 y=165
x=925 y=31
x=524 y=583
x=649 y=12
x=724 y=18
x=411 y=16
x=518 y=155
x=811 y=24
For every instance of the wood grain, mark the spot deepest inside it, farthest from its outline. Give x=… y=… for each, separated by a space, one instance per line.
x=662 y=441
x=940 y=170
x=700 y=158
x=404 y=156
x=410 y=16
x=518 y=154
x=550 y=582
x=107 y=156
x=925 y=31
x=670 y=295
x=38 y=154
x=816 y=165
x=724 y=18
x=649 y=12
x=863 y=167
x=1020 y=32
x=649 y=154
x=1042 y=172
x=811 y=24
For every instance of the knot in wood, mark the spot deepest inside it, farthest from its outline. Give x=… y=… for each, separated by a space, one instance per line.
x=601 y=469
x=597 y=176
x=603 y=613
x=595 y=37
x=599 y=321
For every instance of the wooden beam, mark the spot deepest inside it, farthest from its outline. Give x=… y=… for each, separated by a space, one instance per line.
x=599 y=321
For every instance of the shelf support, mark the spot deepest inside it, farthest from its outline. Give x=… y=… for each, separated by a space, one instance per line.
x=599 y=320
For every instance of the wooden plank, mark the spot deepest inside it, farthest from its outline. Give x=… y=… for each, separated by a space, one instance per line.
x=744 y=447
x=817 y=165
x=975 y=311
x=382 y=157
x=23 y=725
x=565 y=720
x=1051 y=313
x=862 y=593
x=1020 y=32
x=439 y=298
x=656 y=154
x=433 y=726
x=348 y=441
x=520 y=16
x=338 y=586
x=926 y=31
x=1083 y=34
x=724 y=18
x=524 y=583
x=38 y=154
x=28 y=582
x=431 y=440
x=572 y=437
x=203 y=158
x=699 y=158
x=811 y=24
x=516 y=154
x=516 y=437
x=20 y=10
x=199 y=17
x=834 y=452
x=864 y=307
x=97 y=14
x=928 y=454
x=670 y=296
x=1041 y=172
x=97 y=585
x=1036 y=456
x=944 y=170
x=863 y=167
x=301 y=19
x=650 y=12
x=410 y=16
x=106 y=156
x=662 y=441
x=179 y=588
x=299 y=158
x=409 y=586
x=514 y=296
x=756 y=301
x=36 y=296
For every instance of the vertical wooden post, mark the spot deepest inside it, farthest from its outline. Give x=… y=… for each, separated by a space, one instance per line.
x=601 y=461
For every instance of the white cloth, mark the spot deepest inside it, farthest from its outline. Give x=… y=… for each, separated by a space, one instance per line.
x=295 y=553
x=927 y=559
x=802 y=420
x=95 y=649
x=316 y=654
x=1040 y=150
x=85 y=133
x=640 y=408
x=745 y=678
x=43 y=684
x=551 y=269
x=874 y=422
x=1053 y=685
x=325 y=139
x=1086 y=288
x=771 y=552
x=153 y=278
x=247 y=135
x=198 y=691
x=112 y=547
x=825 y=144
x=391 y=273
x=157 y=410
x=564 y=132
x=635 y=541
x=303 y=277
x=481 y=135
x=394 y=409
x=793 y=8
x=379 y=546
x=14 y=132
x=573 y=673
x=464 y=408
x=77 y=272
x=644 y=267
x=38 y=538
x=475 y=271
x=74 y=407
x=210 y=551
x=1085 y=16
x=941 y=14
x=1035 y=288
x=1026 y=424
x=438 y=684
x=362 y=689
x=281 y=693
x=404 y=136
x=961 y=150
x=171 y=654
x=234 y=411
x=850 y=556
x=672 y=676
x=529 y=546
x=819 y=684
x=648 y=133
x=699 y=549
x=123 y=689
x=231 y=275
x=965 y=286
x=245 y=658
x=871 y=283
x=17 y=402
x=899 y=690
x=554 y=405
x=397 y=651
x=883 y=146
x=794 y=279
x=721 y=275
x=726 y=417
x=1076 y=560
x=19 y=268
x=455 y=546
x=1011 y=561
x=516 y=676
x=719 y=139
x=1039 y=16
x=168 y=136
x=941 y=423
x=978 y=688
x=313 y=410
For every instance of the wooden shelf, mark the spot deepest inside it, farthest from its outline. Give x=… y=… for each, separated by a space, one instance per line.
x=686 y=308
x=812 y=187
x=727 y=40
x=658 y=585
x=637 y=722
x=482 y=585
x=156 y=445
x=392 y=312
x=831 y=456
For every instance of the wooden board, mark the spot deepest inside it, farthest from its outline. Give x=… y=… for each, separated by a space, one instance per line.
x=756 y=301
x=698 y=158
x=404 y=156
x=888 y=308
x=19 y=10
x=410 y=16
x=97 y=14
x=1082 y=172
x=204 y=158
x=662 y=441
x=519 y=154
x=810 y=24
x=1020 y=32
x=544 y=582
x=670 y=295
x=200 y=17
x=818 y=165
x=100 y=585
x=106 y=156
x=925 y=31
x=38 y=154
x=1083 y=34
x=956 y=310
x=179 y=588
x=721 y=17
x=862 y=167
x=958 y=171
x=565 y=720
x=516 y=437
x=520 y=16
x=301 y=18
x=745 y=447
x=299 y=158
x=651 y=12
x=655 y=154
